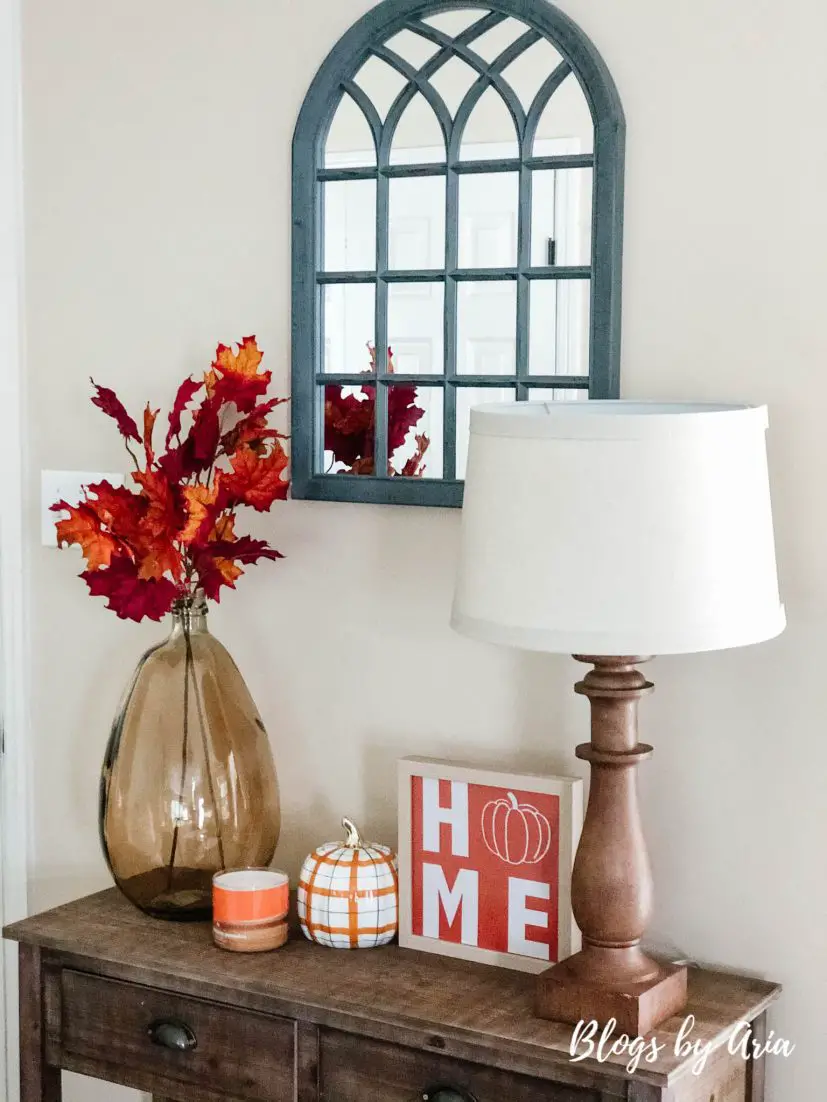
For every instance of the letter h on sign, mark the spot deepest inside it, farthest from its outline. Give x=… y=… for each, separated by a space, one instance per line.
x=455 y=815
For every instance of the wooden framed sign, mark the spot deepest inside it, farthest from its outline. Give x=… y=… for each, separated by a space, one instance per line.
x=485 y=863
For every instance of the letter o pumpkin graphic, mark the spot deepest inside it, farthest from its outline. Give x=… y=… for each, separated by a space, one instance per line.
x=517 y=833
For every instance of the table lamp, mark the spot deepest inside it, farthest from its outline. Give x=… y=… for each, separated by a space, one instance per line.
x=614 y=531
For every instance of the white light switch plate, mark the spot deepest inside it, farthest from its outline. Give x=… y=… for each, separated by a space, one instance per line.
x=65 y=486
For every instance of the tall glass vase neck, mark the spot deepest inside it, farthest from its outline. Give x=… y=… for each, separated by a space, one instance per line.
x=190 y=617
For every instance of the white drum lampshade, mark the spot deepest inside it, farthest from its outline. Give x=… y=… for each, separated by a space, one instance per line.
x=618 y=528
x=614 y=531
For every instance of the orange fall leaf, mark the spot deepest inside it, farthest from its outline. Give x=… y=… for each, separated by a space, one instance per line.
x=83 y=528
x=199 y=500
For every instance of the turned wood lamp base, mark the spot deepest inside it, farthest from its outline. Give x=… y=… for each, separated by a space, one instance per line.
x=612 y=978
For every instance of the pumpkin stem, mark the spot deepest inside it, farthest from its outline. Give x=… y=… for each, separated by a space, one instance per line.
x=354 y=838
x=515 y=803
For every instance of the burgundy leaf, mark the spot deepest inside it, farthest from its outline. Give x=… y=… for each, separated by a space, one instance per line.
x=110 y=403
x=205 y=431
x=245 y=550
x=186 y=392
x=131 y=597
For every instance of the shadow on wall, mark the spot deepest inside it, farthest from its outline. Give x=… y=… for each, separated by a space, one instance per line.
x=303 y=829
x=540 y=745
x=54 y=885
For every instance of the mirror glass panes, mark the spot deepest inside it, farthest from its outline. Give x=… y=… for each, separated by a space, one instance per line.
x=381 y=83
x=489 y=122
x=416 y=228
x=561 y=217
x=349 y=140
x=467 y=398
x=348 y=316
x=453 y=81
x=418 y=136
x=542 y=394
x=559 y=334
x=350 y=226
x=416 y=327
x=486 y=327
x=413 y=48
x=488 y=220
x=455 y=199
x=527 y=74
x=493 y=43
x=415 y=431
x=349 y=429
x=567 y=116
x=453 y=23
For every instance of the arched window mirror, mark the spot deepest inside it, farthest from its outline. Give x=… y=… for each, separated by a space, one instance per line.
x=457 y=204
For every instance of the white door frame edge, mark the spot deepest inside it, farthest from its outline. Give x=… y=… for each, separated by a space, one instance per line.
x=15 y=800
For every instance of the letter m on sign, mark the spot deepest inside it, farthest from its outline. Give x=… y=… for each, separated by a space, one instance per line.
x=442 y=903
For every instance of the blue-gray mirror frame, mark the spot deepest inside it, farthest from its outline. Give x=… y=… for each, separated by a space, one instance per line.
x=351 y=52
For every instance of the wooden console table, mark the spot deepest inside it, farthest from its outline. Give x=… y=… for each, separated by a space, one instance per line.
x=107 y=992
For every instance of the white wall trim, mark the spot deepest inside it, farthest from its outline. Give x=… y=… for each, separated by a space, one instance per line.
x=14 y=668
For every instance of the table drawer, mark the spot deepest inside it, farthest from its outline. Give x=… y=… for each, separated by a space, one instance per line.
x=238 y=1054
x=356 y=1069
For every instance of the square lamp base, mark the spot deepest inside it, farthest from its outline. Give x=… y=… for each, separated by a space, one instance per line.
x=564 y=996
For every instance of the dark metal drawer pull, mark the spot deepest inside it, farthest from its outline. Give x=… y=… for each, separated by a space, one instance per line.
x=174 y=1035
x=447 y=1094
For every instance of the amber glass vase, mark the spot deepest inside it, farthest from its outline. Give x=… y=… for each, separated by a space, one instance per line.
x=188 y=785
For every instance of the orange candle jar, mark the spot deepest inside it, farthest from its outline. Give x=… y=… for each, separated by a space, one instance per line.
x=250 y=909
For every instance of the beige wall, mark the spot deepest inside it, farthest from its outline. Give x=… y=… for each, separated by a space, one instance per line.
x=157 y=142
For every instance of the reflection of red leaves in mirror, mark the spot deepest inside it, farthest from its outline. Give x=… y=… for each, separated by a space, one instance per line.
x=148 y=548
x=415 y=466
x=403 y=415
x=349 y=426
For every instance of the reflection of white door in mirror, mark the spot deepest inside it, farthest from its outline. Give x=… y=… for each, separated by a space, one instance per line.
x=408 y=239
x=565 y=219
x=491 y=356
x=414 y=357
x=488 y=223
x=416 y=325
x=349 y=316
x=350 y=226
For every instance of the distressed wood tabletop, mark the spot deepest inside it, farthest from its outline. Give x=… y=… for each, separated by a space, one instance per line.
x=457 y=1007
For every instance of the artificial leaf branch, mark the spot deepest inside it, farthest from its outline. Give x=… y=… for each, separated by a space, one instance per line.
x=175 y=534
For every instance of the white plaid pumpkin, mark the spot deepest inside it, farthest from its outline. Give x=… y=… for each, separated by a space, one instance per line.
x=348 y=894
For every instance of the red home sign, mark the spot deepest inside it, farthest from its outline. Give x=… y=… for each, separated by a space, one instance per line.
x=485 y=863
